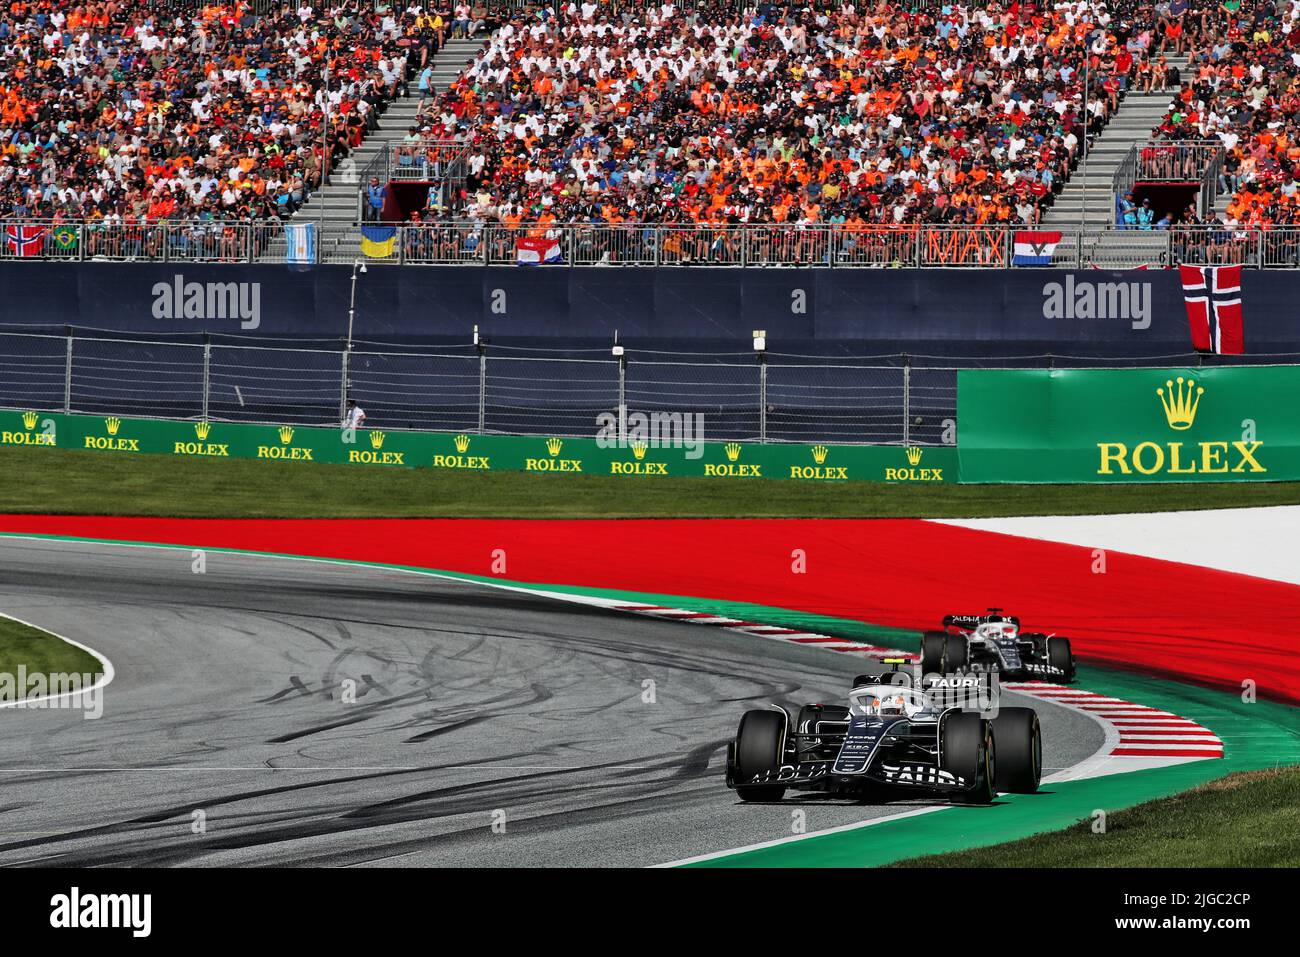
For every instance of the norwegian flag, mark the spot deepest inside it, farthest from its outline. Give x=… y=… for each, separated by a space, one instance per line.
x=25 y=240
x=1213 y=297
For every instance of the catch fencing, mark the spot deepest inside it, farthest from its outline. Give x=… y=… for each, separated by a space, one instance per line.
x=745 y=397
x=754 y=396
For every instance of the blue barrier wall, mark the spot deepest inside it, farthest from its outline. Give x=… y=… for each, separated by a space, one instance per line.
x=860 y=311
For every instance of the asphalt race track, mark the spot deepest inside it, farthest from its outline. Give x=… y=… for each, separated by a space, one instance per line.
x=228 y=699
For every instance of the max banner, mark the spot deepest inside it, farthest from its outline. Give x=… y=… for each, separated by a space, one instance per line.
x=1129 y=425
x=473 y=453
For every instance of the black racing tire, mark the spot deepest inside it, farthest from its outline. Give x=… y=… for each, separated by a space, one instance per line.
x=967 y=749
x=760 y=744
x=1039 y=642
x=956 y=653
x=1020 y=750
x=1059 y=655
x=932 y=646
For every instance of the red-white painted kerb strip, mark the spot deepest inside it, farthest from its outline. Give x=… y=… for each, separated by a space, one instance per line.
x=775 y=632
x=1139 y=731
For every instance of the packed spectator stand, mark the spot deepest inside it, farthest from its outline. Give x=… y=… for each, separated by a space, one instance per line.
x=130 y=111
x=857 y=118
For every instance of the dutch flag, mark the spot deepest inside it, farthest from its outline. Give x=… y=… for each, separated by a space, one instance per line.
x=1034 y=248
x=537 y=251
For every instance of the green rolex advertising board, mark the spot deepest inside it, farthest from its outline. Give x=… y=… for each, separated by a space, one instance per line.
x=1129 y=425
x=473 y=453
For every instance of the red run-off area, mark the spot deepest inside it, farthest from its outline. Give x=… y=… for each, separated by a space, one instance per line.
x=1195 y=623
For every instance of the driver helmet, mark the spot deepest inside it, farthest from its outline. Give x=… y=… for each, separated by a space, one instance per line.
x=891 y=705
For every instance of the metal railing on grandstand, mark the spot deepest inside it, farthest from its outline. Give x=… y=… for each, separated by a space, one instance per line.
x=746 y=396
x=1161 y=162
x=631 y=244
x=203 y=241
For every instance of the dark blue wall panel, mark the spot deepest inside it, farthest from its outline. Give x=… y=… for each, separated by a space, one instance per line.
x=844 y=311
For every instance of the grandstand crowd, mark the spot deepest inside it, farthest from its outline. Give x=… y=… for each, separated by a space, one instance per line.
x=1243 y=90
x=878 y=113
x=139 y=110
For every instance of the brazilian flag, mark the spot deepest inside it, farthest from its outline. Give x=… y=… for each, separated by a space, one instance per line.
x=377 y=242
x=65 y=237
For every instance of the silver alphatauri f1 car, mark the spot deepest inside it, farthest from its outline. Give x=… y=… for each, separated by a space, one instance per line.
x=889 y=736
x=994 y=642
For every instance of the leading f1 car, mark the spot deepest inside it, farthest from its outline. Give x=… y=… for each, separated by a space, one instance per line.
x=888 y=736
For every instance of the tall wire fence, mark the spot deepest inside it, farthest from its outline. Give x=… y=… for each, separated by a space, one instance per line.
x=745 y=396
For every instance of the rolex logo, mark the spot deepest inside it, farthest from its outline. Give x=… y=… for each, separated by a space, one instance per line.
x=112 y=424
x=553 y=446
x=286 y=434
x=377 y=440
x=201 y=429
x=1180 y=402
x=638 y=450
x=462 y=443
x=733 y=451
x=819 y=453
x=913 y=455
x=30 y=419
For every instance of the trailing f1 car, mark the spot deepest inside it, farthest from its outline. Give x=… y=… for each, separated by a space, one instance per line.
x=889 y=735
x=994 y=642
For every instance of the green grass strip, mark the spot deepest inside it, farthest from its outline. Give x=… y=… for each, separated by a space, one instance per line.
x=39 y=652
x=1247 y=819
x=62 y=481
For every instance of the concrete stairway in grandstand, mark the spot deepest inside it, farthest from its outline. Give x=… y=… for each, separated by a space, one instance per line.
x=336 y=206
x=1088 y=199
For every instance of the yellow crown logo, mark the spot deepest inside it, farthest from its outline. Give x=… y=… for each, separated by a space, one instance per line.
x=376 y=440
x=1180 y=402
x=733 y=451
x=462 y=443
x=113 y=424
x=638 y=450
x=201 y=429
x=553 y=446
x=819 y=453
x=30 y=419
x=913 y=455
x=286 y=434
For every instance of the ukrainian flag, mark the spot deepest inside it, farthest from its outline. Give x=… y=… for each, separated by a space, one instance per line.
x=378 y=241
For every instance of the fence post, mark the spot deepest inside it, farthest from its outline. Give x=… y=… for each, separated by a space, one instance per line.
x=482 y=385
x=907 y=398
x=762 y=396
x=207 y=372
x=343 y=383
x=622 y=391
x=67 y=377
